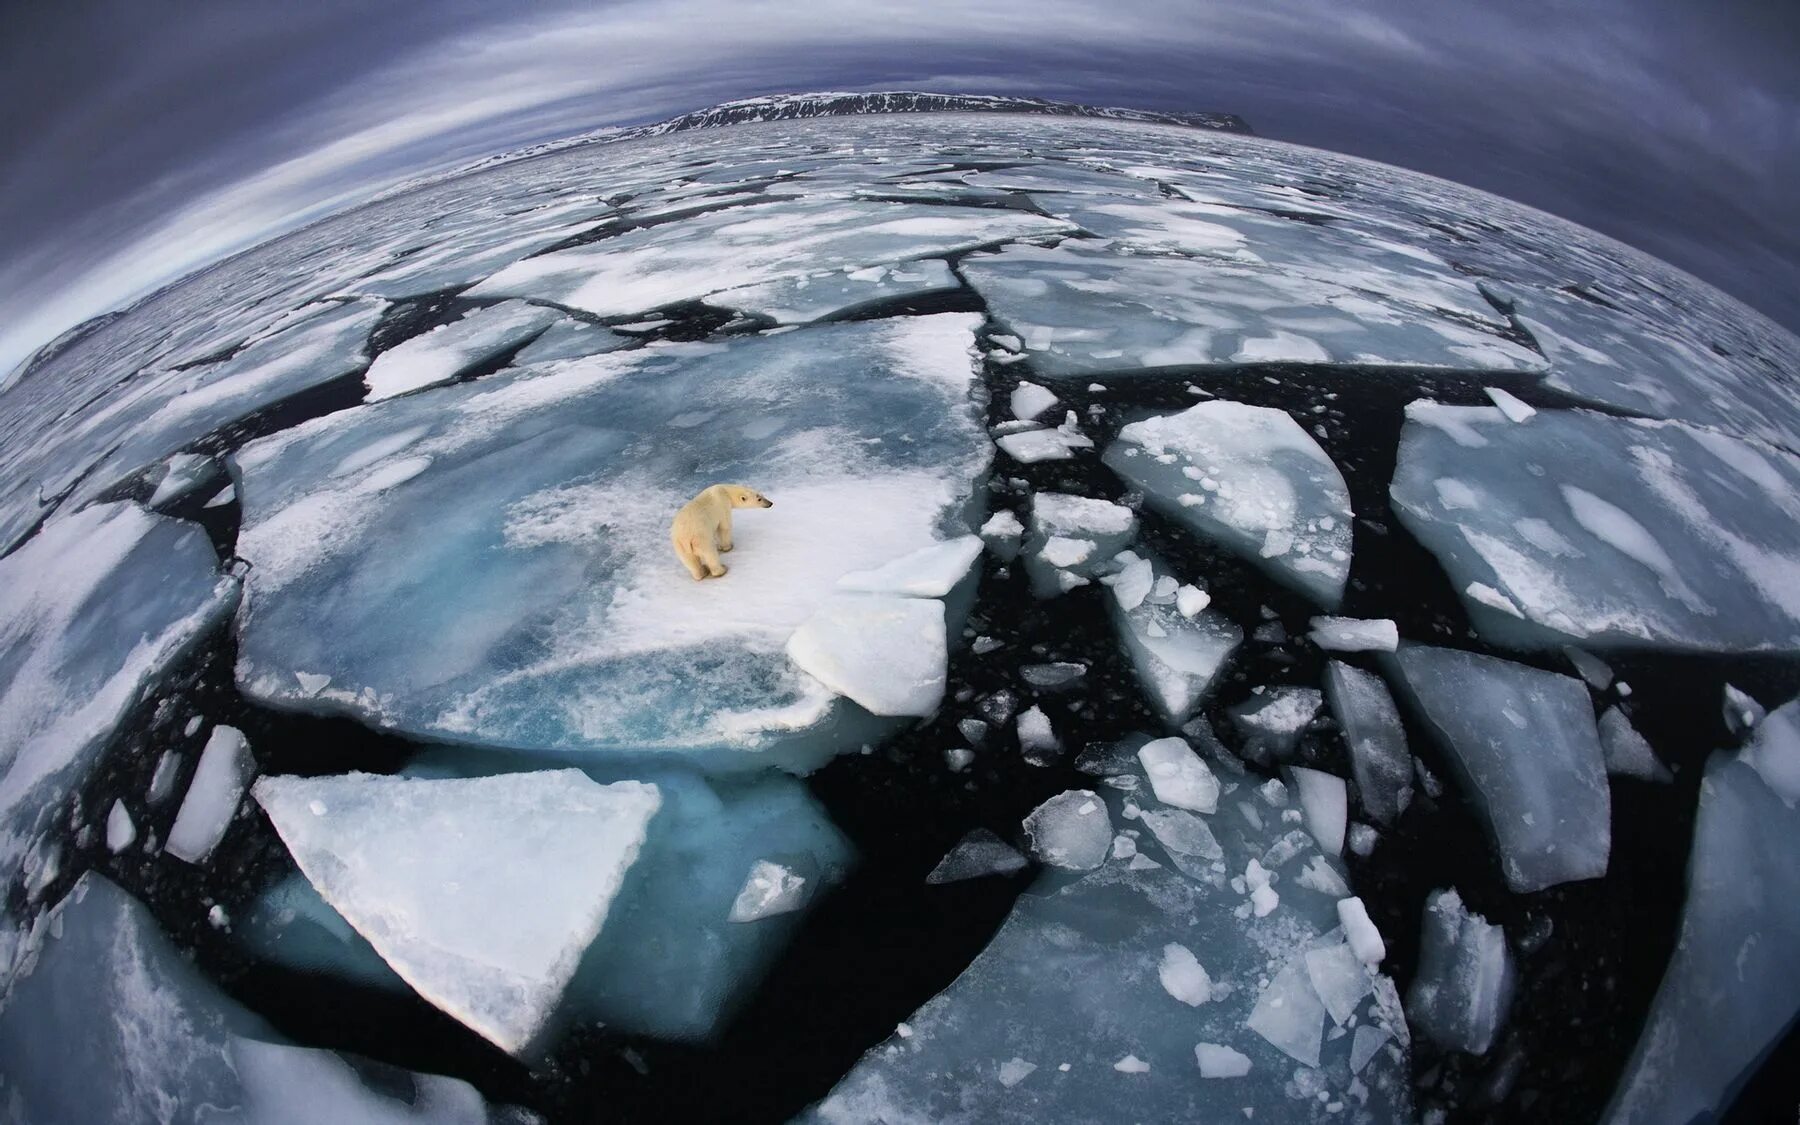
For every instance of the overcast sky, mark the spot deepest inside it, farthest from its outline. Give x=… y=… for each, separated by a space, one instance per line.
x=144 y=138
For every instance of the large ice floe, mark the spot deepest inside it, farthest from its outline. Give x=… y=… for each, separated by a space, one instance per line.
x=1085 y=307
x=730 y=250
x=1730 y=992
x=92 y=611
x=490 y=562
x=1149 y=982
x=112 y=1025
x=1250 y=478
x=1524 y=743
x=425 y=868
x=1612 y=532
x=669 y=962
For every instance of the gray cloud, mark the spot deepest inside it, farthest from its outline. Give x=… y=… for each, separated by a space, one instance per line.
x=152 y=138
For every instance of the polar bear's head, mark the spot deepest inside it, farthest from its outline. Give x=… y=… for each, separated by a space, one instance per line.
x=742 y=497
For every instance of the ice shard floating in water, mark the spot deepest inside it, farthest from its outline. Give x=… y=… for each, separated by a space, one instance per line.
x=490 y=562
x=1610 y=532
x=1176 y=656
x=1072 y=539
x=92 y=610
x=423 y=868
x=1379 y=759
x=1459 y=999
x=1730 y=991
x=1525 y=745
x=1249 y=478
x=114 y=1026
x=1078 y=1005
x=444 y=352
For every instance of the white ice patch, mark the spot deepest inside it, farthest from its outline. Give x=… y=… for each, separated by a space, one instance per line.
x=930 y=572
x=225 y=769
x=769 y=890
x=444 y=352
x=1350 y=634
x=1178 y=776
x=1183 y=977
x=887 y=653
x=1071 y=830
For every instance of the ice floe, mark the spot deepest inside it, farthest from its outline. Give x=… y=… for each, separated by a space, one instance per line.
x=1176 y=656
x=1273 y=721
x=1610 y=532
x=1070 y=830
x=1251 y=479
x=1379 y=759
x=1073 y=539
x=1460 y=997
x=1525 y=746
x=1350 y=634
x=819 y=296
x=976 y=855
x=422 y=867
x=515 y=530
x=225 y=770
x=885 y=651
x=449 y=350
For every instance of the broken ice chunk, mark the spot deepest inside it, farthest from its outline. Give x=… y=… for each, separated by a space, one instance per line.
x=1183 y=977
x=1742 y=713
x=930 y=572
x=162 y=779
x=1035 y=735
x=1109 y=527
x=1626 y=751
x=1178 y=776
x=1271 y=723
x=1190 y=600
x=885 y=652
x=770 y=889
x=1002 y=532
x=1369 y=1039
x=225 y=768
x=1325 y=802
x=979 y=854
x=1029 y=401
x=1379 y=758
x=1730 y=991
x=1464 y=985
x=1031 y=446
x=1515 y=410
x=120 y=832
x=1133 y=582
x=1526 y=747
x=1070 y=830
x=1055 y=676
x=422 y=868
x=1350 y=634
x=448 y=350
x=1288 y=1014
x=1774 y=752
x=1014 y=1071
x=1219 y=1061
x=1131 y=1064
x=1340 y=979
x=182 y=474
x=1176 y=658
x=1365 y=940
x=1589 y=667
x=1277 y=499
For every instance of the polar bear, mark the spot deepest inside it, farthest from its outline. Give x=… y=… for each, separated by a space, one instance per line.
x=703 y=527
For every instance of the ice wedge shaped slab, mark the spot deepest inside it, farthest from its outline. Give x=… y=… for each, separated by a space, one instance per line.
x=1524 y=743
x=115 y=1026
x=1627 y=753
x=884 y=651
x=820 y=296
x=92 y=610
x=1730 y=991
x=669 y=964
x=1610 y=532
x=1073 y=538
x=514 y=531
x=444 y=352
x=702 y=255
x=1139 y=961
x=422 y=868
x=1379 y=759
x=1460 y=997
x=979 y=854
x=1176 y=656
x=1249 y=478
x=930 y=572
x=1083 y=308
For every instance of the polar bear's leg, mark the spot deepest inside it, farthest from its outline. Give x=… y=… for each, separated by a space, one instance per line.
x=690 y=560
x=709 y=558
x=725 y=533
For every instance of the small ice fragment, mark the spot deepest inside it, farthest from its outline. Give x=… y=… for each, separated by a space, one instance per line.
x=1014 y=1071
x=1029 y=401
x=770 y=889
x=217 y=918
x=1589 y=667
x=212 y=798
x=1183 y=977
x=1219 y=1061
x=1365 y=940
x=1134 y=582
x=959 y=758
x=1035 y=733
x=1350 y=634
x=1362 y=839
x=311 y=682
x=1131 y=1064
x=1319 y=875
x=1326 y=803
x=1178 y=776
x=120 y=832
x=979 y=854
x=1509 y=405
x=1071 y=830
x=1627 y=753
x=1190 y=600
x=1464 y=984
x=1742 y=713
x=1054 y=676
x=1339 y=978
x=1289 y=1015
x=1369 y=1038
x=162 y=779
